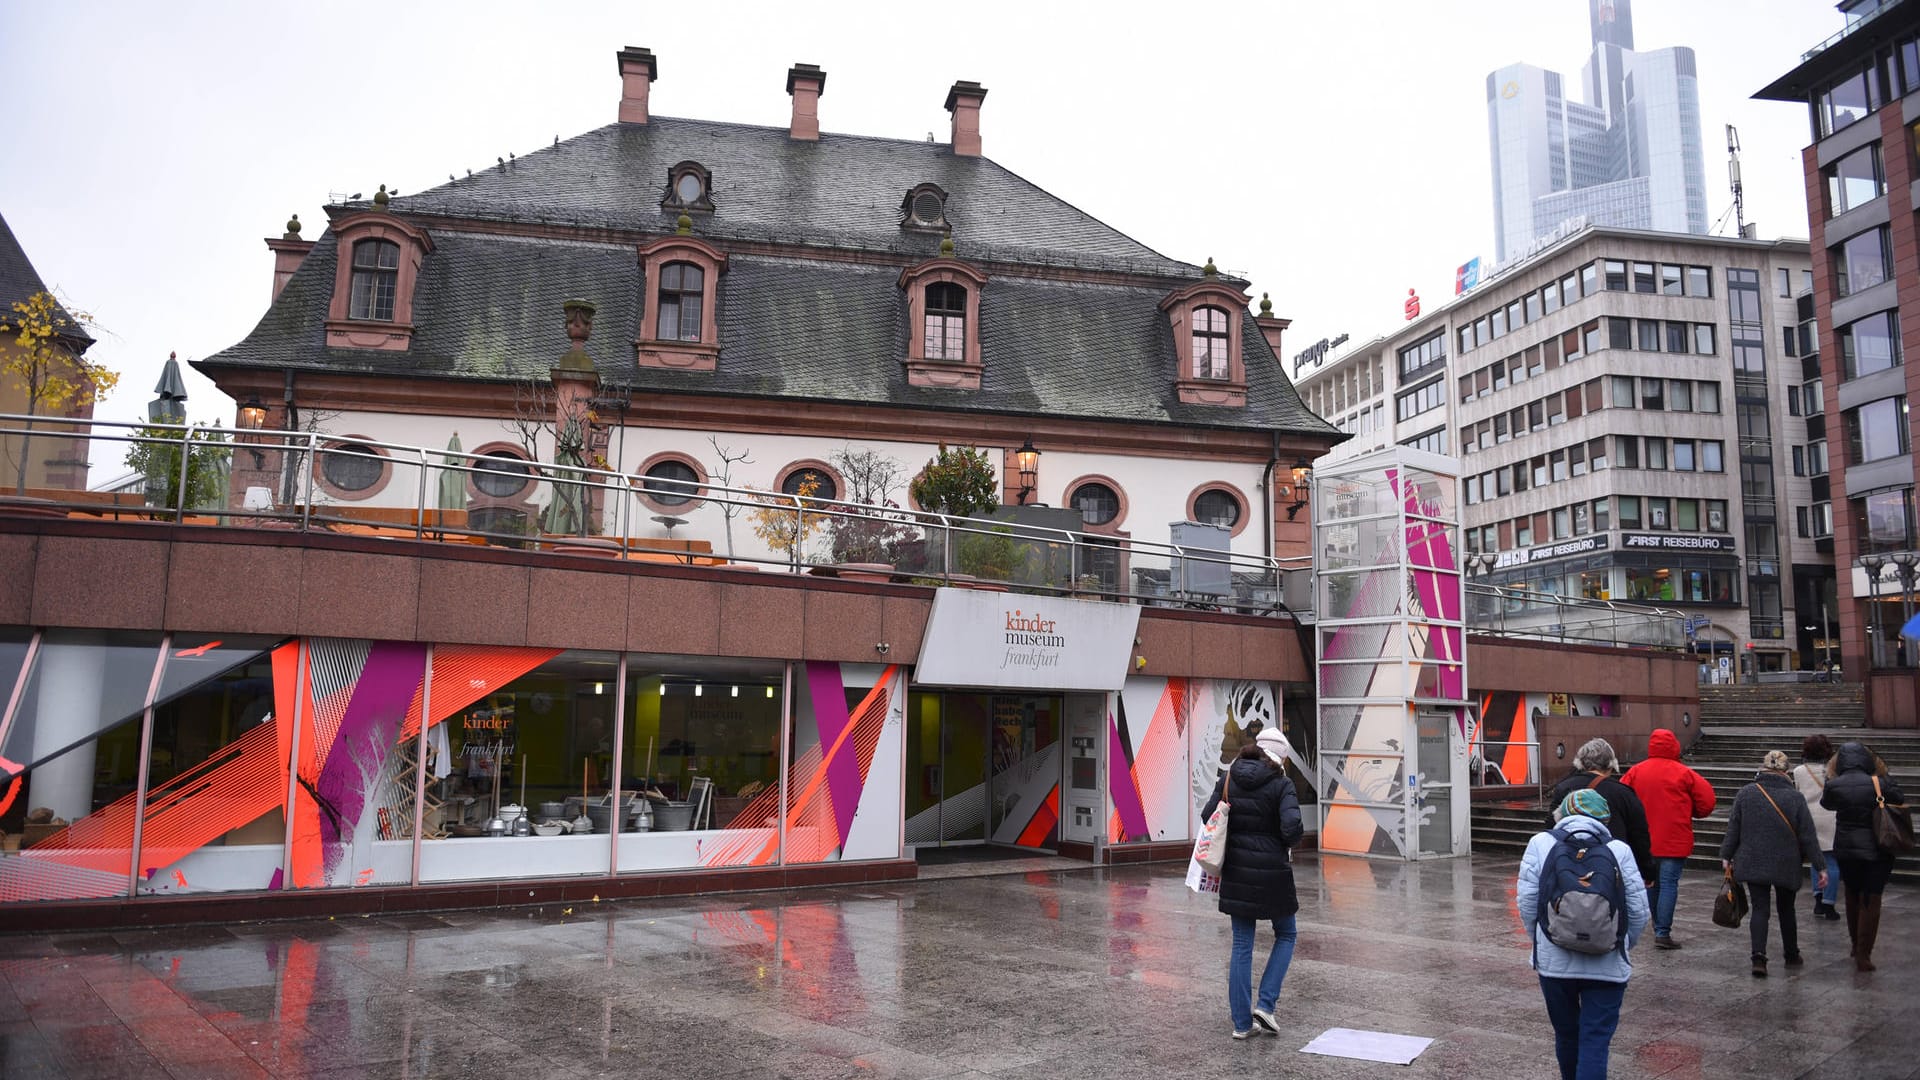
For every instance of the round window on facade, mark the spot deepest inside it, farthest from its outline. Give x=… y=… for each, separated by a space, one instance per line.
x=1098 y=504
x=352 y=466
x=500 y=473
x=1216 y=507
x=689 y=188
x=927 y=208
x=797 y=483
x=671 y=483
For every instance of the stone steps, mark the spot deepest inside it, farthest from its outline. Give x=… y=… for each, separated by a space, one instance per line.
x=1507 y=827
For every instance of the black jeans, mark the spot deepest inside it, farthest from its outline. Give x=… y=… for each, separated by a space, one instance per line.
x=1757 y=912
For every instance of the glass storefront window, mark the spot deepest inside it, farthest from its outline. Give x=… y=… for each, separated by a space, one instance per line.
x=74 y=750
x=539 y=747
x=1650 y=585
x=701 y=747
x=215 y=816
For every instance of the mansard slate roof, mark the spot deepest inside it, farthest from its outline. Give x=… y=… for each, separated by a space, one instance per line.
x=488 y=304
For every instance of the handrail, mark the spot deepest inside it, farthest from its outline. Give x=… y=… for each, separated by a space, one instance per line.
x=305 y=452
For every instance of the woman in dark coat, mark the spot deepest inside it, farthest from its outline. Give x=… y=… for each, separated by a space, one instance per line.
x=1864 y=868
x=1256 y=879
x=1770 y=834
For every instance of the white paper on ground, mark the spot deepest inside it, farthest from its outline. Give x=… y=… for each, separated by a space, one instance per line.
x=1368 y=1045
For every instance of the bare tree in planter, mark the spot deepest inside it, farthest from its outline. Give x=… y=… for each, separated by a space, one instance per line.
x=868 y=533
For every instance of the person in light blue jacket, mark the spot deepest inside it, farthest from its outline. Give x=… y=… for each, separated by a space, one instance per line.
x=1583 y=991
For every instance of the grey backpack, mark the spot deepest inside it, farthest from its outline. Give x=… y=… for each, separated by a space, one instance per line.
x=1583 y=897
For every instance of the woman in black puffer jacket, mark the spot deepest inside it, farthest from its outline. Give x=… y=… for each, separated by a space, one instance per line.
x=1256 y=879
x=1864 y=868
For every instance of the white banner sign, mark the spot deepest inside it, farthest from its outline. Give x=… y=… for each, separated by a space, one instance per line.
x=998 y=639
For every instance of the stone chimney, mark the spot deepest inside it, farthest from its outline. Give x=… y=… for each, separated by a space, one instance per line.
x=1271 y=326
x=806 y=82
x=289 y=251
x=963 y=101
x=638 y=72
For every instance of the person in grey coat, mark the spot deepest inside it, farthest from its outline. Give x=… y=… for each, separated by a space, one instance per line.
x=1770 y=835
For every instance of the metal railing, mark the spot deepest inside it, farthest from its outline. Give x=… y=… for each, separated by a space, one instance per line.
x=304 y=480
x=1841 y=35
x=1505 y=611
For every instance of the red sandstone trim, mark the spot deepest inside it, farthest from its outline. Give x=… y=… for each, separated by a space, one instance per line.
x=640 y=478
x=1245 y=517
x=1180 y=305
x=337 y=442
x=351 y=228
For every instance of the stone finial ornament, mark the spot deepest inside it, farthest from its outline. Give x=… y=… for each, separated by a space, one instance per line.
x=1209 y=270
x=946 y=245
x=1266 y=307
x=579 y=324
x=684 y=225
x=381 y=198
x=293 y=228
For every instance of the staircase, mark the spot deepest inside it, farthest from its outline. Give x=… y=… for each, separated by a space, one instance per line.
x=1812 y=706
x=1728 y=758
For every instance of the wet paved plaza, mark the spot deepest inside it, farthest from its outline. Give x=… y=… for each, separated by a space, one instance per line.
x=1043 y=973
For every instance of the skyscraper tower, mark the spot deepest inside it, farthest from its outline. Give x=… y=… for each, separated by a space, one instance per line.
x=1628 y=155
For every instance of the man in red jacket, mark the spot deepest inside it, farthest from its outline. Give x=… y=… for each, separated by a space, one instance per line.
x=1674 y=795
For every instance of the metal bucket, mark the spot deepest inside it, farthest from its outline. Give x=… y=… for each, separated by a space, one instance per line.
x=672 y=816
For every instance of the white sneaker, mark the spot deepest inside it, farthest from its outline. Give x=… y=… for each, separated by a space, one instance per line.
x=1242 y=1035
x=1264 y=1023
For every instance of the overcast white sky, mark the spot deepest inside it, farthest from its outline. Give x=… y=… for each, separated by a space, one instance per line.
x=1335 y=153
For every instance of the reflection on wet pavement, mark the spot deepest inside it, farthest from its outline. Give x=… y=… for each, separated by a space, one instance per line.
x=1058 y=973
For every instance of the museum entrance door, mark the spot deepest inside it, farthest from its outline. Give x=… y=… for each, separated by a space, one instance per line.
x=983 y=769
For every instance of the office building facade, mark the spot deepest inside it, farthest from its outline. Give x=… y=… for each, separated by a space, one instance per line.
x=1631 y=412
x=1862 y=90
x=1628 y=155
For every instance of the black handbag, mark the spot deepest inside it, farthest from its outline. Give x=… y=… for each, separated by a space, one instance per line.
x=1892 y=824
x=1731 y=905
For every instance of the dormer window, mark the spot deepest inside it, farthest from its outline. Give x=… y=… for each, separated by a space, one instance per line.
x=376 y=272
x=1210 y=344
x=946 y=321
x=678 y=324
x=376 y=275
x=1206 y=319
x=925 y=207
x=682 y=293
x=943 y=312
x=689 y=188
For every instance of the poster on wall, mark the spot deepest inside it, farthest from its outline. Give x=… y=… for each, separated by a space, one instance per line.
x=1169 y=740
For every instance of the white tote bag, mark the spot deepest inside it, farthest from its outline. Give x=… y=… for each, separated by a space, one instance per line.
x=1210 y=850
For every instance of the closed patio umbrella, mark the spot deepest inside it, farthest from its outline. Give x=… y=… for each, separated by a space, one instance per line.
x=567 y=512
x=453 y=483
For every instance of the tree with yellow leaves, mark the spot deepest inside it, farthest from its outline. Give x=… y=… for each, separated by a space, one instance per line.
x=48 y=365
x=784 y=522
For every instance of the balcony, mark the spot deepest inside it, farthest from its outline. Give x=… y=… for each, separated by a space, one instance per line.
x=309 y=482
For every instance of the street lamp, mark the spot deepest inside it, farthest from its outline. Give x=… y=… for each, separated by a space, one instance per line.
x=1905 y=564
x=1027 y=460
x=1873 y=562
x=1302 y=476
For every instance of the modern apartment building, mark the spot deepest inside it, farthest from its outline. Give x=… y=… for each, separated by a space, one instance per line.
x=1862 y=91
x=1627 y=155
x=1631 y=410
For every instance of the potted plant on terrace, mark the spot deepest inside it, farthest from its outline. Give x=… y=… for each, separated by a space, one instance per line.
x=867 y=539
x=959 y=482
